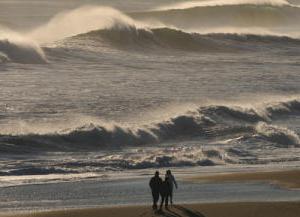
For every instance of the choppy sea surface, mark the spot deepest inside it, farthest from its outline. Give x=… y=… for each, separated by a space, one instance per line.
x=95 y=87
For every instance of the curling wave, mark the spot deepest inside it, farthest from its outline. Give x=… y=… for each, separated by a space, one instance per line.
x=248 y=19
x=212 y=121
x=279 y=135
x=238 y=24
x=20 y=50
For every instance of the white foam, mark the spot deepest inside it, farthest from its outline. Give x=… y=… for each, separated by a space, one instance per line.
x=278 y=134
x=211 y=3
x=18 y=48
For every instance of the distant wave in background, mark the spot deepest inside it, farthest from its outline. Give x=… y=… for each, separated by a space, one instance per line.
x=209 y=16
x=211 y=3
x=197 y=26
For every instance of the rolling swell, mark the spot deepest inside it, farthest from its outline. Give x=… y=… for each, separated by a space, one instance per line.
x=246 y=15
x=210 y=122
x=158 y=38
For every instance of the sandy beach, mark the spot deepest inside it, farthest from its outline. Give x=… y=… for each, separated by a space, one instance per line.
x=289 y=179
x=274 y=209
x=200 y=209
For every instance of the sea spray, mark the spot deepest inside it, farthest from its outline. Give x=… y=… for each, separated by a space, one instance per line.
x=279 y=135
x=20 y=49
x=81 y=20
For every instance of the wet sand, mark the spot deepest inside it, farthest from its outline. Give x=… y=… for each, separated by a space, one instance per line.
x=289 y=179
x=257 y=209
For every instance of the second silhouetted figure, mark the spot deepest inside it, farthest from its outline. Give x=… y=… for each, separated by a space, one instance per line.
x=165 y=192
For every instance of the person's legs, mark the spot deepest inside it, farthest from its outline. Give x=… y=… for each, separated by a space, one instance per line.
x=155 y=199
x=167 y=201
x=171 y=196
x=162 y=201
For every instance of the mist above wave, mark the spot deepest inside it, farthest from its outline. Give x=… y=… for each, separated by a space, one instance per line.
x=210 y=122
x=190 y=28
x=81 y=20
x=19 y=49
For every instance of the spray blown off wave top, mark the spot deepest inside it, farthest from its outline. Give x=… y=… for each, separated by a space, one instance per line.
x=202 y=26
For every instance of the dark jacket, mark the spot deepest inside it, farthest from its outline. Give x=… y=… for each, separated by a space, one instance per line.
x=155 y=183
x=165 y=188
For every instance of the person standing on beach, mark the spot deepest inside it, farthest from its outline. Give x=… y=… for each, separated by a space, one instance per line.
x=165 y=192
x=172 y=182
x=155 y=185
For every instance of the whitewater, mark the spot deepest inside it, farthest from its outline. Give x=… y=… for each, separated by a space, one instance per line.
x=108 y=86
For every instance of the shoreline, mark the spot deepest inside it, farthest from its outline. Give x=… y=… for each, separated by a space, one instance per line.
x=238 y=209
x=197 y=190
x=288 y=179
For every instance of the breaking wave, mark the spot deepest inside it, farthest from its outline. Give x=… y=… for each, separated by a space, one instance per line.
x=35 y=171
x=81 y=20
x=279 y=135
x=209 y=26
x=18 y=49
x=214 y=121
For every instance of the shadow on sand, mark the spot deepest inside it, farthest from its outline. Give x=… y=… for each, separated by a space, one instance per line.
x=179 y=211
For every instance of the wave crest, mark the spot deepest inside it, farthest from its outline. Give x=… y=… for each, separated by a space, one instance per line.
x=19 y=49
x=211 y=121
x=211 y=3
x=81 y=20
x=168 y=38
x=278 y=135
x=272 y=18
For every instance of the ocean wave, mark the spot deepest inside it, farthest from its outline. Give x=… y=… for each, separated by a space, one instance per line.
x=20 y=50
x=247 y=19
x=179 y=156
x=210 y=121
x=278 y=135
x=205 y=17
x=254 y=114
x=3 y=58
x=80 y=20
x=211 y=3
x=216 y=27
x=130 y=37
x=36 y=171
x=96 y=136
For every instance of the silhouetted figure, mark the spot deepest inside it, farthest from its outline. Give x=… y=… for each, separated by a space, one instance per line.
x=172 y=182
x=165 y=192
x=155 y=185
